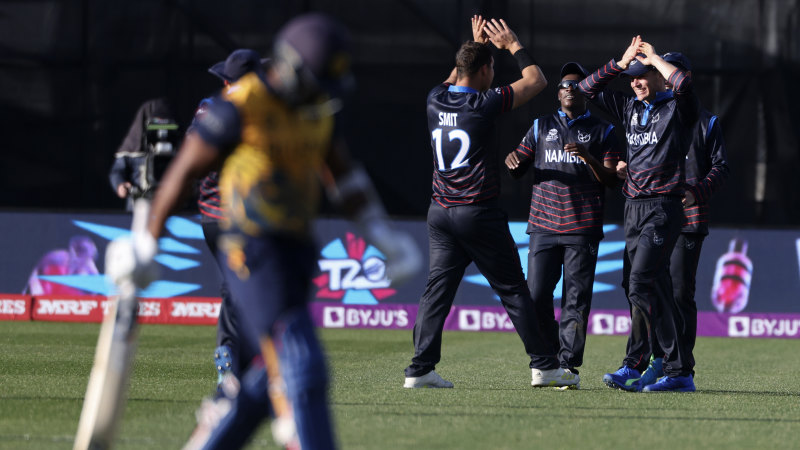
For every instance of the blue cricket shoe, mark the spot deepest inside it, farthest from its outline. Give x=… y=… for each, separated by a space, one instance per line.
x=223 y=362
x=654 y=371
x=625 y=378
x=672 y=384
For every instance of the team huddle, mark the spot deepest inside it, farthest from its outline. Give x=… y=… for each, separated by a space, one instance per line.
x=272 y=137
x=672 y=162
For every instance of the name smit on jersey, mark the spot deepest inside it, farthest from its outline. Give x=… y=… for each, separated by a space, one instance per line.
x=448 y=119
x=560 y=156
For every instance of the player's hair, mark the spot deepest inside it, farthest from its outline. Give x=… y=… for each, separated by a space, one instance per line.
x=471 y=57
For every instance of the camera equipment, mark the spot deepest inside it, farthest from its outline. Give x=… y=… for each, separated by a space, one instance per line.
x=161 y=139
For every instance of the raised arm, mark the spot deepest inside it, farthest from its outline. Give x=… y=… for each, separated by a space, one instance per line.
x=533 y=80
x=594 y=85
x=681 y=81
x=678 y=78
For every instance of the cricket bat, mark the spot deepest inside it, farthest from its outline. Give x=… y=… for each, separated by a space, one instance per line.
x=106 y=392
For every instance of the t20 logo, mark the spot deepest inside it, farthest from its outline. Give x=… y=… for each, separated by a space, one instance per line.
x=353 y=272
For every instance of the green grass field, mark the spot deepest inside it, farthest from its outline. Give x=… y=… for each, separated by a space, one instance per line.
x=748 y=394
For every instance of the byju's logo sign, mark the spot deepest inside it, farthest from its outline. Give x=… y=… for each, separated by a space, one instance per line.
x=353 y=272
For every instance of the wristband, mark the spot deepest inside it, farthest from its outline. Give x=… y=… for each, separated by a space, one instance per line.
x=524 y=59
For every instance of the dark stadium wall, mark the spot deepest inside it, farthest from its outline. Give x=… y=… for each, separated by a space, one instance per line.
x=76 y=71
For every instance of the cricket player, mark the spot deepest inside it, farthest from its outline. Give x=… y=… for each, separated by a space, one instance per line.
x=706 y=173
x=276 y=136
x=574 y=156
x=232 y=355
x=465 y=223
x=657 y=126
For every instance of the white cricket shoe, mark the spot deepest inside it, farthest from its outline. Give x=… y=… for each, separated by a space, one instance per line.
x=554 y=378
x=429 y=380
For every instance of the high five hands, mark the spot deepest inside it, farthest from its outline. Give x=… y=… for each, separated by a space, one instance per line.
x=495 y=31
x=478 y=35
x=635 y=50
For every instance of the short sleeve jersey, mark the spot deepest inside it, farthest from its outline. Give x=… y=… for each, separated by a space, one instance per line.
x=269 y=182
x=461 y=125
x=566 y=197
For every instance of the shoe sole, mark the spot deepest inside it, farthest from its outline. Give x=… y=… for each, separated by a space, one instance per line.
x=558 y=386
x=671 y=390
x=616 y=386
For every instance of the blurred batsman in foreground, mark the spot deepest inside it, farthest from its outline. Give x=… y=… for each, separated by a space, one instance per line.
x=276 y=137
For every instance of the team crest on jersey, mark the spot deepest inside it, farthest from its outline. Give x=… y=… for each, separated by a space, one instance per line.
x=584 y=137
x=552 y=135
x=656 y=118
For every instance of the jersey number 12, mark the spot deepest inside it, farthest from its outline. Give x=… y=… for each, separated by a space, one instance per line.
x=460 y=160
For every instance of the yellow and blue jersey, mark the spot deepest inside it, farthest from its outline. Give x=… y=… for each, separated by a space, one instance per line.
x=269 y=182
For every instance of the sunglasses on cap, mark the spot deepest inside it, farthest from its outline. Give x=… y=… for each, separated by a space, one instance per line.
x=565 y=84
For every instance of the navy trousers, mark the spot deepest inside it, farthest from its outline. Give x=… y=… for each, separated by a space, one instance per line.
x=577 y=254
x=652 y=227
x=458 y=236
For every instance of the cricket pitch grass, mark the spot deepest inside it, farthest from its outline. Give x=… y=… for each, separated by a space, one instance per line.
x=747 y=393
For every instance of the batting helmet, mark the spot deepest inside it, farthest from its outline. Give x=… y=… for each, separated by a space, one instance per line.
x=312 y=58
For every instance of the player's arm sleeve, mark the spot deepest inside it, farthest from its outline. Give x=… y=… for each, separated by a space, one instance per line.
x=202 y=108
x=612 y=151
x=526 y=150
x=688 y=104
x=719 y=172
x=594 y=86
x=498 y=100
x=220 y=126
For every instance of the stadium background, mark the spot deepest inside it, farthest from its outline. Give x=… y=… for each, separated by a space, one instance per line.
x=74 y=73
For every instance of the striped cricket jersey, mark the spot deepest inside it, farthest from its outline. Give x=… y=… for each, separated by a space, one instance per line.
x=567 y=198
x=208 y=199
x=706 y=170
x=657 y=133
x=461 y=123
x=273 y=154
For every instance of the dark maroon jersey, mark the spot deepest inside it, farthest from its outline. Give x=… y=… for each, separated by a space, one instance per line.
x=566 y=197
x=461 y=123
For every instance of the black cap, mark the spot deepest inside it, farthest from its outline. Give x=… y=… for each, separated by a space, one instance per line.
x=678 y=59
x=573 y=67
x=237 y=64
x=636 y=68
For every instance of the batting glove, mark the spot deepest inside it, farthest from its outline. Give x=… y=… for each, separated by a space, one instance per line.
x=131 y=258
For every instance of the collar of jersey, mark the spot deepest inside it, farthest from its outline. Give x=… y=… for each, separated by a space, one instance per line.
x=660 y=97
x=585 y=115
x=467 y=89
